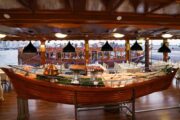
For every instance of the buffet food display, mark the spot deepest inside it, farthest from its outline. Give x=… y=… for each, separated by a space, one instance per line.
x=97 y=77
x=125 y=78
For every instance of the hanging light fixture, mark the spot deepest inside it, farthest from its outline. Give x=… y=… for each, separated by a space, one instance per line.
x=164 y=49
x=30 y=48
x=69 y=48
x=136 y=47
x=106 y=47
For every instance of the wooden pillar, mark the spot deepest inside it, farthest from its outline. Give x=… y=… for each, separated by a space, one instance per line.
x=102 y=55
x=165 y=54
x=146 y=55
x=86 y=51
x=23 y=111
x=127 y=50
x=109 y=53
x=43 y=52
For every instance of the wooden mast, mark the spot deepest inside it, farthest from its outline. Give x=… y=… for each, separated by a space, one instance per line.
x=86 y=51
x=147 y=54
x=43 y=52
x=127 y=50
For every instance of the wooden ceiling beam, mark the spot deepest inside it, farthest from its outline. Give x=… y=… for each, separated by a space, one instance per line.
x=45 y=17
x=112 y=5
x=81 y=37
x=161 y=6
x=146 y=7
x=78 y=6
x=29 y=4
x=177 y=1
x=116 y=5
x=135 y=4
x=68 y=5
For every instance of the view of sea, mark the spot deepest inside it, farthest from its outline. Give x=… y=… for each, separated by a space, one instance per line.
x=174 y=55
x=10 y=57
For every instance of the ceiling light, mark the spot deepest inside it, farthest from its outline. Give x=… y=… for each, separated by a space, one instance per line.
x=106 y=47
x=119 y=17
x=2 y=35
x=166 y=35
x=7 y=16
x=60 y=35
x=118 y=35
x=114 y=30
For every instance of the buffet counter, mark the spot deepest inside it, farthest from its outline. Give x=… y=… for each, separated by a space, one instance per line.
x=31 y=86
x=101 y=78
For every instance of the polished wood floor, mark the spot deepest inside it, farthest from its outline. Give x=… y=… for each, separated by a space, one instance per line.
x=42 y=110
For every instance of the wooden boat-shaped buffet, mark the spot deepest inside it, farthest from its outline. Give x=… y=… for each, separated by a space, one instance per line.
x=28 y=88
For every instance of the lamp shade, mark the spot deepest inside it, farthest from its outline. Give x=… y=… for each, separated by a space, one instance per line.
x=136 y=47
x=106 y=47
x=69 y=48
x=164 y=49
x=30 y=48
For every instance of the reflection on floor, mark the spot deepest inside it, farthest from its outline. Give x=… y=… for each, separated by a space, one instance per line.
x=42 y=110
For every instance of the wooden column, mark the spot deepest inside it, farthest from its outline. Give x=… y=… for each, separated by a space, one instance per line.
x=146 y=55
x=43 y=52
x=23 y=110
x=127 y=50
x=109 y=52
x=165 y=54
x=102 y=54
x=86 y=51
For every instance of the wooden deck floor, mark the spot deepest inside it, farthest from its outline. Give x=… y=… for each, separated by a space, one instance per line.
x=42 y=110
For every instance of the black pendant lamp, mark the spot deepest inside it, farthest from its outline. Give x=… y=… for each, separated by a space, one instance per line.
x=69 y=48
x=106 y=47
x=164 y=49
x=30 y=48
x=136 y=47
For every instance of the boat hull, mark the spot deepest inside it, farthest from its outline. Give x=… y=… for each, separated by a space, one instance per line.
x=28 y=88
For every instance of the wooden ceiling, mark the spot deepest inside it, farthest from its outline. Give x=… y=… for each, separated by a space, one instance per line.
x=95 y=19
